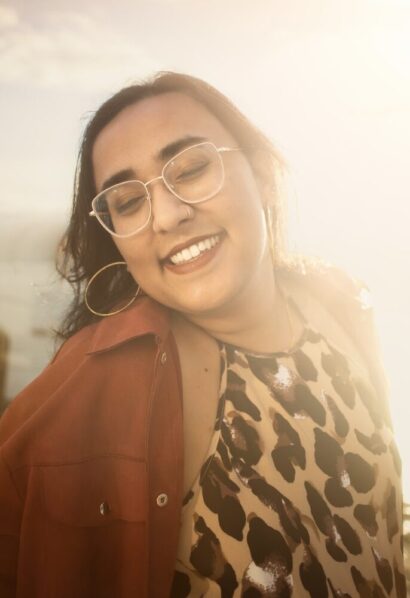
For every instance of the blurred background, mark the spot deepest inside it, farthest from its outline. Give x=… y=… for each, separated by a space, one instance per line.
x=327 y=80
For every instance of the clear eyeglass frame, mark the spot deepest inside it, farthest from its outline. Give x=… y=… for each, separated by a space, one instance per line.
x=218 y=152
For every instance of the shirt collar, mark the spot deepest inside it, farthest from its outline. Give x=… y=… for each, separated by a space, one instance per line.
x=145 y=316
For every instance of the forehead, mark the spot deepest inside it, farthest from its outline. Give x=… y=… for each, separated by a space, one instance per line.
x=135 y=136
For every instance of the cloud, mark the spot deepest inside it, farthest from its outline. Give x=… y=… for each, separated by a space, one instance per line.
x=65 y=49
x=8 y=17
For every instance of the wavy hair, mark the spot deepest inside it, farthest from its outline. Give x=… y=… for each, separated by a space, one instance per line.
x=86 y=246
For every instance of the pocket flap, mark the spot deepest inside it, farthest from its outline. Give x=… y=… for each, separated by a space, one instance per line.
x=96 y=492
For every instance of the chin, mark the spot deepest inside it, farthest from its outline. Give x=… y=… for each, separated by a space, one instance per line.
x=207 y=302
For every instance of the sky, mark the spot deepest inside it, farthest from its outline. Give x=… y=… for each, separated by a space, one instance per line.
x=328 y=81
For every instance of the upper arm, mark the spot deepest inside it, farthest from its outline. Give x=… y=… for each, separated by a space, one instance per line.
x=10 y=516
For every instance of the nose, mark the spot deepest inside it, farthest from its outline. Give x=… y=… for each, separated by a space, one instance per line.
x=168 y=211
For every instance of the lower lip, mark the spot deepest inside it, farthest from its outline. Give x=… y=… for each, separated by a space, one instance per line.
x=197 y=263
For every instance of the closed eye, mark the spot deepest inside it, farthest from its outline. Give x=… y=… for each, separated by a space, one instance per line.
x=129 y=205
x=192 y=172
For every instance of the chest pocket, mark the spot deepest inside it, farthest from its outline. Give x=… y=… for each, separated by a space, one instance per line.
x=96 y=492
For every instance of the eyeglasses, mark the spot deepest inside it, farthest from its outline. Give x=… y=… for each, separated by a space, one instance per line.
x=193 y=175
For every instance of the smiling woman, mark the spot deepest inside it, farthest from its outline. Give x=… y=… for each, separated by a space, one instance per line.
x=160 y=121
x=216 y=422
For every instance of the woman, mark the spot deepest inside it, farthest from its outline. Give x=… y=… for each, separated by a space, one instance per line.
x=215 y=424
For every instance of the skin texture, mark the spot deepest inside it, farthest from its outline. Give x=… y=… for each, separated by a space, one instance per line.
x=232 y=296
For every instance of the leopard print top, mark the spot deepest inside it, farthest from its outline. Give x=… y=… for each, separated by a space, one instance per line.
x=299 y=494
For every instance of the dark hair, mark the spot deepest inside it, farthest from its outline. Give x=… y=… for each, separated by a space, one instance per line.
x=86 y=246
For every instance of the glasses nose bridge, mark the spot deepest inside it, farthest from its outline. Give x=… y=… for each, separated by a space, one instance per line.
x=157 y=178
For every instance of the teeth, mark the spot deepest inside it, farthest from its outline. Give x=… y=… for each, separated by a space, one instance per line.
x=191 y=252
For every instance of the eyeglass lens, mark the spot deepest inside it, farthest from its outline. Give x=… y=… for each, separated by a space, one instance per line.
x=194 y=175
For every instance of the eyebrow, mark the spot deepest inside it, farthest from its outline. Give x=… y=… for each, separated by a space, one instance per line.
x=166 y=153
x=127 y=174
x=173 y=148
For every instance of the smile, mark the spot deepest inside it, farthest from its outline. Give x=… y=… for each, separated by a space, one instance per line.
x=188 y=254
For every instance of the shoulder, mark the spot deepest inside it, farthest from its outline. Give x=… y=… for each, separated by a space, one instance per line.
x=346 y=298
x=343 y=306
x=102 y=358
x=323 y=275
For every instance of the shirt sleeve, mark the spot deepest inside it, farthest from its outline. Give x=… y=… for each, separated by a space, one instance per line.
x=10 y=515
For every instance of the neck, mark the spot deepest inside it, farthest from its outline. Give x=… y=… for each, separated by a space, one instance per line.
x=257 y=319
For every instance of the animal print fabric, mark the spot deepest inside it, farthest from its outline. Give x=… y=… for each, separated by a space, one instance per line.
x=299 y=494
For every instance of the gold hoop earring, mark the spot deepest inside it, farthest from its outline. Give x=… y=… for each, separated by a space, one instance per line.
x=93 y=277
x=269 y=225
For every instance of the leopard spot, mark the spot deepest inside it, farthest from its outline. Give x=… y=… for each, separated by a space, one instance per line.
x=231 y=517
x=227 y=581
x=341 y=423
x=335 y=551
x=206 y=550
x=390 y=514
x=181 y=586
x=304 y=366
x=366 y=588
x=241 y=438
x=325 y=522
x=373 y=443
x=319 y=509
x=400 y=583
x=187 y=497
x=220 y=411
x=289 y=517
x=361 y=474
x=263 y=367
x=312 y=336
x=336 y=593
x=233 y=356
x=312 y=575
x=327 y=452
x=268 y=547
x=345 y=390
x=336 y=494
x=307 y=402
x=236 y=394
x=335 y=365
x=223 y=452
x=349 y=537
x=366 y=516
x=369 y=400
x=220 y=496
x=288 y=450
x=208 y=559
x=384 y=571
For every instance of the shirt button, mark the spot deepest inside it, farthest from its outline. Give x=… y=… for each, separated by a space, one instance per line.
x=163 y=358
x=162 y=499
x=104 y=508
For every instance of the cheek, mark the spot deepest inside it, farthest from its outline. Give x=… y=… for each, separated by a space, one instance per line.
x=246 y=209
x=135 y=254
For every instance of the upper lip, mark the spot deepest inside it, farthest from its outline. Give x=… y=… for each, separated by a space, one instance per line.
x=181 y=246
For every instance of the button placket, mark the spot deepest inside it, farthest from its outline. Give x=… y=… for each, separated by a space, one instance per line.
x=104 y=509
x=162 y=499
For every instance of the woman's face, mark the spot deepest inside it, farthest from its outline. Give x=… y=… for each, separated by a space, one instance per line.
x=134 y=141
